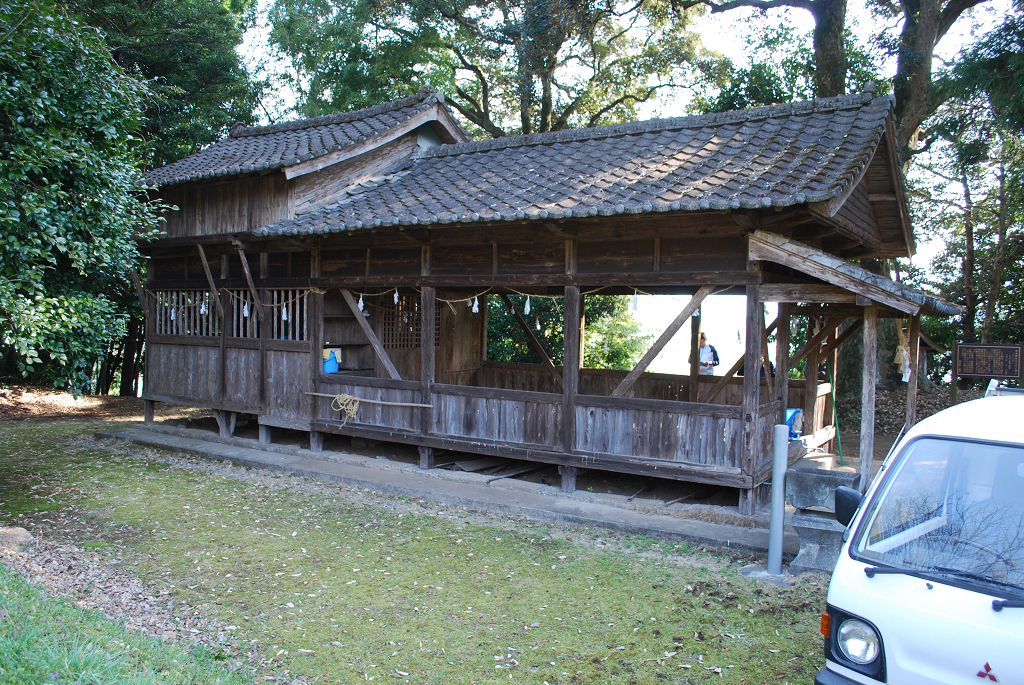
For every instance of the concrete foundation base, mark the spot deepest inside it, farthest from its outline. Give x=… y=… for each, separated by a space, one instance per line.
x=821 y=540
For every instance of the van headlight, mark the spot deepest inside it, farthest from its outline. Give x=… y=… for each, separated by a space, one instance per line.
x=857 y=641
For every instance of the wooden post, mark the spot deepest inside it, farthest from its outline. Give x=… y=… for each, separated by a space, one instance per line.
x=226 y=422
x=316 y=441
x=694 y=356
x=915 y=348
x=867 y=403
x=209 y=281
x=782 y=359
x=248 y=279
x=570 y=367
x=811 y=377
x=428 y=305
x=265 y=438
x=569 y=474
x=751 y=395
x=149 y=413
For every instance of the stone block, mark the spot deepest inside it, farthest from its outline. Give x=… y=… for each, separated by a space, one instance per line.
x=811 y=482
x=821 y=541
x=15 y=539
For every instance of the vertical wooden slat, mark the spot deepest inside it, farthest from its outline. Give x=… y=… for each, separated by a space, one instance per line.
x=782 y=359
x=570 y=365
x=694 y=356
x=751 y=390
x=811 y=379
x=867 y=403
x=915 y=347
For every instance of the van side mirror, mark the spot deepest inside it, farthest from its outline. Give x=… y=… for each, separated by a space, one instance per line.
x=847 y=502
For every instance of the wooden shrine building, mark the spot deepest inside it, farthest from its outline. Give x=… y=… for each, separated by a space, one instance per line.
x=350 y=231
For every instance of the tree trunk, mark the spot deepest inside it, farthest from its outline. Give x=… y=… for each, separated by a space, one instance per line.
x=995 y=279
x=128 y=362
x=829 y=50
x=546 y=102
x=970 y=301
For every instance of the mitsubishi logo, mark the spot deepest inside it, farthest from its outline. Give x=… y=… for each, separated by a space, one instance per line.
x=987 y=673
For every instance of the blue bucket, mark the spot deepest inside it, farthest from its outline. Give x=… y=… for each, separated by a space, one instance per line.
x=331 y=362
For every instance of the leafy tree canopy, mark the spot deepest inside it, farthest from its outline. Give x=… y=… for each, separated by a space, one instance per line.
x=612 y=338
x=507 y=67
x=71 y=198
x=782 y=69
x=186 y=50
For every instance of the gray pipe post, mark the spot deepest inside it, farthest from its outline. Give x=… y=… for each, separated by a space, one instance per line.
x=778 y=519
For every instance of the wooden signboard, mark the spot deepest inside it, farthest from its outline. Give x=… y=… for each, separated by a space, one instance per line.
x=972 y=360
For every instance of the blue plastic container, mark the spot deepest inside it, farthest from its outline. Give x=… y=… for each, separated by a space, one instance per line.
x=791 y=415
x=331 y=363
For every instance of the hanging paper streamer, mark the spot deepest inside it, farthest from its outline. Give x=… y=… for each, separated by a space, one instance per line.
x=396 y=295
x=526 y=309
x=360 y=302
x=636 y=304
x=245 y=309
x=202 y=307
x=284 y=313
x=606 y=346
x=405 y=318
x=476 y=305
x=172 y=313
x=538 y=323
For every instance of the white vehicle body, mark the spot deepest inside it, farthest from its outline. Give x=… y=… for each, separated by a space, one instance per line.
x=946 y=595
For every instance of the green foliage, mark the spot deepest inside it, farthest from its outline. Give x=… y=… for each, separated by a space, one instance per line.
x=71 y=198
x=186 y=50
x=782 y=69
x=507 y=67
x=608 y=318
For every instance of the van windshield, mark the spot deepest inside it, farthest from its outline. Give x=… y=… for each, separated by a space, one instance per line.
x=953 y=507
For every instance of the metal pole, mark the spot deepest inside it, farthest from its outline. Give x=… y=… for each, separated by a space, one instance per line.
x=778 y=519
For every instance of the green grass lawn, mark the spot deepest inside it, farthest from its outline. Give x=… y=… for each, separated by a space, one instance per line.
x=348 y=586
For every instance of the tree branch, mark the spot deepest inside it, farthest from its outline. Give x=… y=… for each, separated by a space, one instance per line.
x=808 y=5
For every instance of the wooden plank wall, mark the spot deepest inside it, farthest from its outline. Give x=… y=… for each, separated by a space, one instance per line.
x=287 y=379
x=519 y=420
x=184 y=370
x=233 y=206
x=376 y=415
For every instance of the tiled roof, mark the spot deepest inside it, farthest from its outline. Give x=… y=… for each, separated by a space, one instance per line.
x=257 y=148
x=765 y=157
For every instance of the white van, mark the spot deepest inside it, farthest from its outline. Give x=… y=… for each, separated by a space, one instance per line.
x=929 y=587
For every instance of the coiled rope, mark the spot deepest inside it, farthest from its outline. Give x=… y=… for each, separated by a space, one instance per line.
x=348 y=405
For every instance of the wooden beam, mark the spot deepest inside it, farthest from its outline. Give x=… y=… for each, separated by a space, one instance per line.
x=248 y=278
x=570 y=366
x=209 y=279
x=767 y=363
x=782 y=358
x=815 y=342
x=867 y=403
x=805 y=259
x=845 y=335
x=660 y=343
x=813 y=353
x=915 y=347
x=800 y=292
x=531 y=339
x=382 y=355
x=752 y=447
x=734 y=368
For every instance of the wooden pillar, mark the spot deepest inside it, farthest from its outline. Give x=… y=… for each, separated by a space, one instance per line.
x=265 y=438
x=428 y=356
x=149 y=413
x=226 y=422
x=751 y=394
x=782 y=358
x=570 y=367
x=315 y=333
x=316 y=441
x=694 y=356
x=811 y=380
x=569 y=474
x=915 y=349
x=867 y=403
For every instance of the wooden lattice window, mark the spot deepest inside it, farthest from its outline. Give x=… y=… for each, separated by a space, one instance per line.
x=287 y=314
x=186 y=312
x=400 y=323
x=245 y=322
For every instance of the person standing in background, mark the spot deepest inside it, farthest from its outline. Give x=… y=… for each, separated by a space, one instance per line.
x=708 y=357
